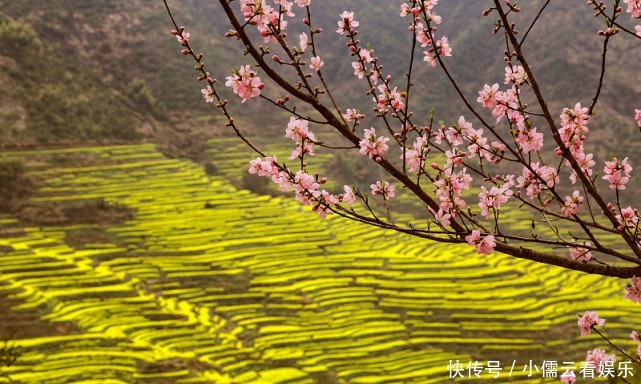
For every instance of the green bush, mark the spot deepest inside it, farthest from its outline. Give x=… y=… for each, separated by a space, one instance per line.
x=15 y=37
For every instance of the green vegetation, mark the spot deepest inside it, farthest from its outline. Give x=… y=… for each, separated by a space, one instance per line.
x=15 y=186
x=211 y=284
x=15 y=37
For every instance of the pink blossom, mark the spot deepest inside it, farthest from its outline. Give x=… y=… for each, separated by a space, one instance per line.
x=303 y=42
x=487 y=96
x=515 y=74
x=600 y=359
x=634 y=8
x=637 y=112
x=353 y=115
x=585 y=162
x=617 y=174
x=303 y=3
x=571 y=204
x=629 y=217
x=483 y=246
x=415 y=157
x=441 y=216
x=442 y=48
x=384 y=189
x=637 y=28
x=530 y=140
x=349 y=197
x=422 y=35
x=323 y=207
x=503 y=101
x=366 y=55
x=387 y=97
x=256 y=167
x=305 y=149
x=263 y=16
x=633 y=290
x=245 y=83
x=298 y=129
x=579 y=253
x=588 y=320
x=449 y=189
x=574 y=127
x=477 y=143
x=306 y=187
x=184 y=38
x=347 y=21
x=372 y=145
x=317 y=63
x=635 y=336
x=208 y=94
x=568 y=377
x=493 y=198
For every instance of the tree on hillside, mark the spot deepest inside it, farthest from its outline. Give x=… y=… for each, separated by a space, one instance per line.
x=507 y=160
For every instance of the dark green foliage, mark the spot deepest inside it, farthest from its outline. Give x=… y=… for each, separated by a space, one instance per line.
x=9 y=355
x=15 y=186
x=15 y=37
x=139 y=93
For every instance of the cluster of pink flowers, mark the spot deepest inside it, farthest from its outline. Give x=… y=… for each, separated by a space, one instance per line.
x=245 y=82
x=365 y=56
x=574 y=127
x=441 y=48
x=572 y=203
x=208 y=94
x=579 y=253
x=506 y=104
x=493 y=198
x=634 y=8
x=633 y=290
x=263 y=16
x=346 y=23
x=384 y=189
x=316 y=64
x=372 y=145
x=629 y=218
x=588 y=320
x=306 y=186
x=449 y=189
x=386 y=97
x=298 y=131
x=635 y=337
x=531 y=177
x=568 y=377
x=267 y=19
x=617 y=173
x=601 y=360
x=637 y=116
x=424 y=8
x=484 y=245
x=419 y=7
x=515 y=74
x=415 y=156
x=353 y=115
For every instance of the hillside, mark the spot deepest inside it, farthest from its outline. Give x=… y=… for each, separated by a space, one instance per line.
x=96 y=71
x=186 y=290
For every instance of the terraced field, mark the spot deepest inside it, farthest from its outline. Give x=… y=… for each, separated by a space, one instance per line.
x=210 y=284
